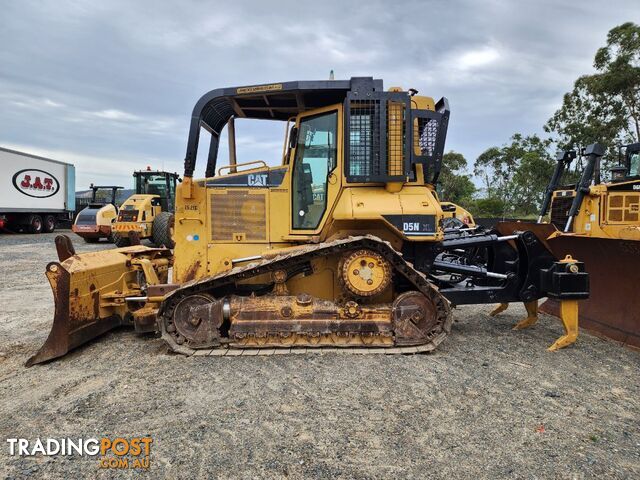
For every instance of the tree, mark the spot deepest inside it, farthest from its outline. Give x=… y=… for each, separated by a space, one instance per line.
x=455 y=185
x=605 y=106
x=516 y=174
x=490 y=207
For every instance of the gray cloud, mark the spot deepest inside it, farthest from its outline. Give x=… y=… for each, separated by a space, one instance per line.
x=110 y=85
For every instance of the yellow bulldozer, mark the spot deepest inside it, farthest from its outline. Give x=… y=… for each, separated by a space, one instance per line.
x=599 y=223
x=341 y=245
x=149 y=212
x=456 y=217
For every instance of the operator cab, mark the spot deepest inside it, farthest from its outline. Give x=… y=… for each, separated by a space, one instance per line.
x=633 y=160
x=163 y=184
x=629 y=167
x=104 y=195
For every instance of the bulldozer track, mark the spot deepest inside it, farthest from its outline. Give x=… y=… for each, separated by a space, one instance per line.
x=247 y=352
x=295 y=258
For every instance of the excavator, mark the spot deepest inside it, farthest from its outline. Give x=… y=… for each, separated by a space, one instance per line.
x=599 y=222
x=341 y=246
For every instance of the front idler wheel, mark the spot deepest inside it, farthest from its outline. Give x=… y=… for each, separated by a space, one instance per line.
x=415 y=318
x=195 y=322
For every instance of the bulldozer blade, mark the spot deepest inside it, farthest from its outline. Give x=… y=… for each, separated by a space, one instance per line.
x=613 y=307
x=64 y=247
x=68 y=331
x=90 y=293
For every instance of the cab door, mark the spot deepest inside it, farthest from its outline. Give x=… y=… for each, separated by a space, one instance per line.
x=315 y=178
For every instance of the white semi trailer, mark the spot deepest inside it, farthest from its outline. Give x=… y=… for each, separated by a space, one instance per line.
x=35 y=192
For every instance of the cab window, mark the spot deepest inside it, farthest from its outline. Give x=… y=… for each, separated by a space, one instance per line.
x=634 y=164
x=316 y=153
x=152 y=185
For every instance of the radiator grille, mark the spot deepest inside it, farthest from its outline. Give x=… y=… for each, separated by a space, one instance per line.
x=238 y=215
x=623 y=208
x=615 y=201
x=560 y=210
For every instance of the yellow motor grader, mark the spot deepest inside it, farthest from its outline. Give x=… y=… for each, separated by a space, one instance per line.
x=341 y=245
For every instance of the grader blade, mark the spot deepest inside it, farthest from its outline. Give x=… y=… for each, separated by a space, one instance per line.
x=90 y=293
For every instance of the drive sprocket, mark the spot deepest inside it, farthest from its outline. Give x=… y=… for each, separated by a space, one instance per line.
x=365 y=273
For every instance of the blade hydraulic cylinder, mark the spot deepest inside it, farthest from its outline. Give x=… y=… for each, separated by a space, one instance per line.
x=564 y=159
x=593 y=152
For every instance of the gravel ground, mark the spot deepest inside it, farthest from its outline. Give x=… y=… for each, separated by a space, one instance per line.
x=489 y=403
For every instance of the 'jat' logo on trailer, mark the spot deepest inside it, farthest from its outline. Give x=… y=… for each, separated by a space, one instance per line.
x=36 y=183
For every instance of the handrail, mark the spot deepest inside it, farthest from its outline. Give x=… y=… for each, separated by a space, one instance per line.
x=242 y=165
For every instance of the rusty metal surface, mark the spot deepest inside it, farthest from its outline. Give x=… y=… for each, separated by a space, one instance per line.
x=134 y=237
x=197 y=318
x=272 y=314
x=191 y=272
x=89 y=292
x=414 y=316
x=64 y=247
x=161 y=290
x=540 y=230
x=613 y=307
x=68 y=331
x=225 y=281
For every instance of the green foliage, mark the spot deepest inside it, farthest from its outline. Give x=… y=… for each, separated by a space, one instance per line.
x=487 y=207
x=455 y=185
x=605 y=106
x=516 y=175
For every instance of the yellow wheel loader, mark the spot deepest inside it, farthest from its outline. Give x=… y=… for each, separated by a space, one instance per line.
x=341 y=245
x=149 y=212
x=95 y=221
x=599 y=223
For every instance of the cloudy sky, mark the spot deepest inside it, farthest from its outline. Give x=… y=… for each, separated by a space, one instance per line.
x=109 y=85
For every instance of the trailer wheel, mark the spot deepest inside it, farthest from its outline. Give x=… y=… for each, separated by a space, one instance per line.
x=49 y=224
x=34 y=224
x=163 y=230
x=120 y=241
